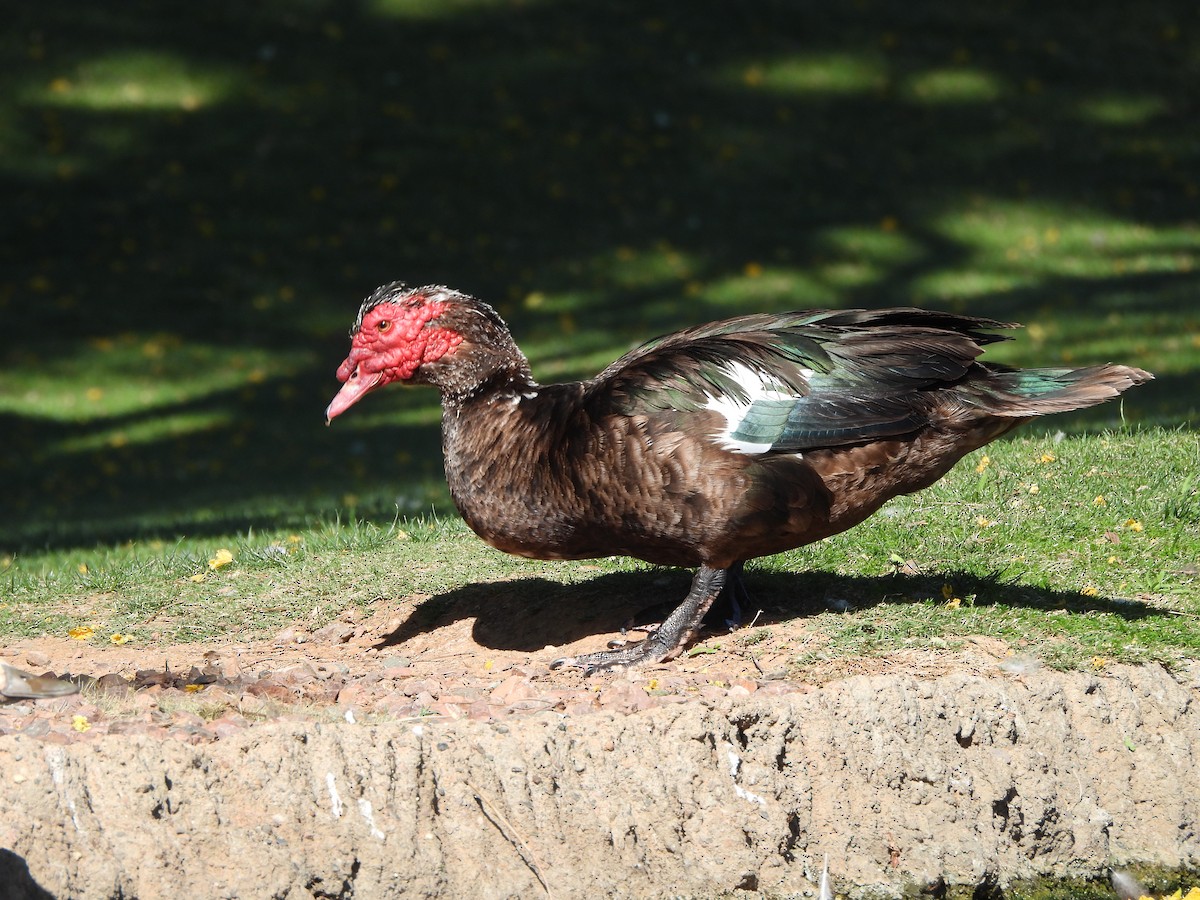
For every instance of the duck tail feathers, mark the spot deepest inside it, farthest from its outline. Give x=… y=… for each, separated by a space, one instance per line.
x=1040 y=392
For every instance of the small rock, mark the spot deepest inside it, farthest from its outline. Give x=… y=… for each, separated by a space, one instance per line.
x=624 y=697
x=114 y=684
x=271 y=689
x=330 y=668
x=512 y=689
x=289 y=635
x=449 y=710
x=227 y=726
x=333 y=633
x=37 y=728
x=352 y=695
x=479 y=711
x=300 y=673
x=37 y=658
x=580 y=707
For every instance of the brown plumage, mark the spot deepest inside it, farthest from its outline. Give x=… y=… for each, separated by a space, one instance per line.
x=708 y=447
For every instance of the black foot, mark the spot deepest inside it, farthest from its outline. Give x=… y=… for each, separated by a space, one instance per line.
x=666 y=640
x=730 y=607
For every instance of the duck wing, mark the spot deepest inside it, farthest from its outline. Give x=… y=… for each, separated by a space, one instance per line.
x=798 y=381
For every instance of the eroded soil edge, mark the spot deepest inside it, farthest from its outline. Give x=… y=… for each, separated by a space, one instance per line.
x=900 y=779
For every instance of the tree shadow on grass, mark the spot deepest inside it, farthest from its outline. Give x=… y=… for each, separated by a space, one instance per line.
x=529 y=614
x=187 y=184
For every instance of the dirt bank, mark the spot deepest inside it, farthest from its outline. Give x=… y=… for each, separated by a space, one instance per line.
x=899 y=778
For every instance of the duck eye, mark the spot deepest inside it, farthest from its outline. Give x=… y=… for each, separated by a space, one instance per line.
x=384 y=325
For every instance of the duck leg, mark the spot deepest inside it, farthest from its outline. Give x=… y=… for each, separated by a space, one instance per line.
x=733 y=602
x=666 y=640
x=727 y=612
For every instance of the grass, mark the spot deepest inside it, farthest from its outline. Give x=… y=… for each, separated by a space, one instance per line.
x=196 y=199
x=1075 y=551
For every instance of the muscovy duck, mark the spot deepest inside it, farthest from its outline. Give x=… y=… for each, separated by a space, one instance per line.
x=707 y=447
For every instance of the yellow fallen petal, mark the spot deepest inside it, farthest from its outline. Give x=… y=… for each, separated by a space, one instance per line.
x=1134 y=525
x=983 y=464
x=223 y=558
x=198 y=577
x=954 y=603
x=82 y=632
x=80 y=723
x=1048 y=457
x=1090 y=591
x=119 y=638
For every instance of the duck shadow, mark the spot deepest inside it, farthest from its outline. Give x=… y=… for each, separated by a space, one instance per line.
x=530 y=614
x=16 y=881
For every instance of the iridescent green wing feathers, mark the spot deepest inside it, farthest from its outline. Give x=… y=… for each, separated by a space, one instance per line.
x=800 y=380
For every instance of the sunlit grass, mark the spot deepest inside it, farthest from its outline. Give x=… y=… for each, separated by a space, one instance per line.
x=1032 y=245
x=131 y=373
x=136 y=80
x=149 y=431
x=1121 y=109
x=769 y=288
x=818 y=74
x=875 y=243
x=958 y=85
x=433 y=9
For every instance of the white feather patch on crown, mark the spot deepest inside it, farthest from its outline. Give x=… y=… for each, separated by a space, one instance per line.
x=760 y=389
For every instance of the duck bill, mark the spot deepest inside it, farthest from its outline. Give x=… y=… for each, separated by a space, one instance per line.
x=355 y=388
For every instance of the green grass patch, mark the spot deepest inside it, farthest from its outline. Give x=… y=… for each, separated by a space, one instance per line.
x=1073 y=551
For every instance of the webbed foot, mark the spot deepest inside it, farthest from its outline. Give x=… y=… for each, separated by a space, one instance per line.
x=666 y=640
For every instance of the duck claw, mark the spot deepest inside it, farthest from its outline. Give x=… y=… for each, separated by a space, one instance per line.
x=642 y=653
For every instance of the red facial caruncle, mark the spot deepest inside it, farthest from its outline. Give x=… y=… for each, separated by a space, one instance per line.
x=393 y=341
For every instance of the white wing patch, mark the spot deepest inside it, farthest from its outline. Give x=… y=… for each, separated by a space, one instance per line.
x=760 y=390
